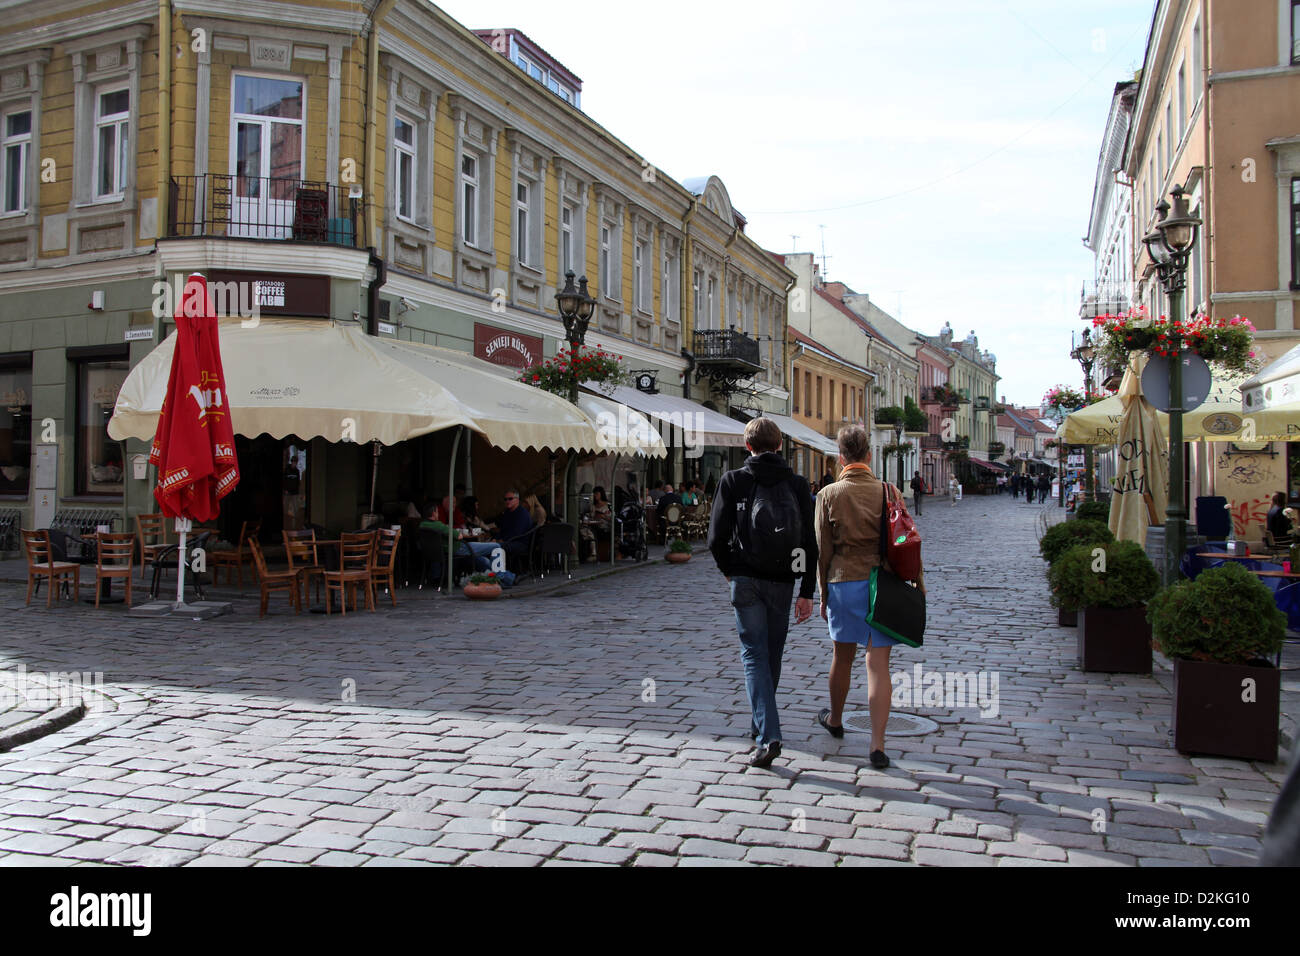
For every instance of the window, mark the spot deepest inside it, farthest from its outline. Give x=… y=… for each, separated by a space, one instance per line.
x=566 y=238
x=641 y=274
x=1182 y=101
x=665 y=283
x=605 y=277
x=17 y=132
x=1295 y=233
x=99 y=458
x=1170 y=139
x=469 y=198
x=404 y=166
x=698 y=289
x=521 y=221
x=844 y=402
x=713 y=303
x=112 y=123
x=1295 y=31
x=15 y=427
x=1196 y=63
x=819 y=396
x=266 y=155
x=807 y=394
x=794 y=395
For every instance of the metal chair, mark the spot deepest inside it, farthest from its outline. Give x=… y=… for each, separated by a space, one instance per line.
x=672 y=522
x=167 y=561
x=554 y=540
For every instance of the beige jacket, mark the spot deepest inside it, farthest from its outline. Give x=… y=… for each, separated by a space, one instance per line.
x=848 y=528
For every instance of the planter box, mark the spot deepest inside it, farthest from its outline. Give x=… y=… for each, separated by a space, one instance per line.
x=1066 y=618
x=678 y=557
x=1114 y=640
x=1210 y=716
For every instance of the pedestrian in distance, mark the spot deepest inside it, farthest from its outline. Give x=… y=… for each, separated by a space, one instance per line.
x=1029 y=489
x=953 y=488
x=762 y=536
x=1044 y=487
x=849 y=518
x=918 y=492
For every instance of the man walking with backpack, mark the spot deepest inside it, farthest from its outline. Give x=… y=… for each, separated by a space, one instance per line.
x=762 y=535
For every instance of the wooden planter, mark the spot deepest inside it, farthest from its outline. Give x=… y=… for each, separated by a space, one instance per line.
x=482 y=592
x=1210 y=716
x=678 y=557
x=1114 y=640
x=1066 y=618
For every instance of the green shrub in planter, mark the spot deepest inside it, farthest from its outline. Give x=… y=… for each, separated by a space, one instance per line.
x=1226 y=615
x=679 y=546
x=1130 y=579
x=1093 y=511
x=1062 y=537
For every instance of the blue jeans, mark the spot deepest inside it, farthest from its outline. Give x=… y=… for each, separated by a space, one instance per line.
x=483 y=552
x=763 y=620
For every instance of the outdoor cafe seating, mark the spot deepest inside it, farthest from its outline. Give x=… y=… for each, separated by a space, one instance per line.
x=274 y=580
x=304 y=559
x=356 y=561
x=238 y=556
x=168 y=558
x=151 y=529
x=114 y=557
x=41 y=565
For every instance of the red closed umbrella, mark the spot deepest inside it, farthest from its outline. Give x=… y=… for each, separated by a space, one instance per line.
x=194 y=445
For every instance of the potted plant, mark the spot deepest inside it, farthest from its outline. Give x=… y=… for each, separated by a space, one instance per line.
x=1108 y=585
x=1227 y=342
x=1093 y=511
x=558 y=373
x=483 y=586
x=1220 y=630
x=679 y=551
x=1059 y=539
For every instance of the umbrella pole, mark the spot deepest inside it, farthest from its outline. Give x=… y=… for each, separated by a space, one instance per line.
x=451 y=515
x=183 y=526
x=613 y=482
x=374 y=476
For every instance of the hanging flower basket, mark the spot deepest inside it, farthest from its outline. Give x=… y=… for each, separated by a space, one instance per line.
x=1228 y=342
x=565 y=368
x=1062 y=398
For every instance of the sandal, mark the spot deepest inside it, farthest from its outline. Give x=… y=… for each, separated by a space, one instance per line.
x=836 y=732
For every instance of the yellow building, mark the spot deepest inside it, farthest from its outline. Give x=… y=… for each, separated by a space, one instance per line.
x=371 y=163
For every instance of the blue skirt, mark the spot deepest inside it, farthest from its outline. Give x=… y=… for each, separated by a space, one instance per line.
x=847 y=614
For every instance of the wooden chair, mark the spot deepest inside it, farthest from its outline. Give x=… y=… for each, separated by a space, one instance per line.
x=356 y=561
x=41 y=564
x=274 y=580
x=384 y=568
x=151 y=529
x=238 y=556
x=300 y=548
x=114 y=559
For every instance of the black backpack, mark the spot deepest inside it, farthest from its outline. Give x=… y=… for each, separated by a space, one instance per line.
x=775 y=529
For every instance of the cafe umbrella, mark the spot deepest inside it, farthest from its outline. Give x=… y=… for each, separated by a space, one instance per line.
x=1142 y=478
x=194 y=444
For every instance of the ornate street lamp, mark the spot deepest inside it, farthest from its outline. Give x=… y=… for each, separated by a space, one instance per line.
x=1086 y=354
x=1170 y=244
x=576 y=308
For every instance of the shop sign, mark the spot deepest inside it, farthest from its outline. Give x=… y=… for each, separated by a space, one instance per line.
x=504 y=347
x=296 y=295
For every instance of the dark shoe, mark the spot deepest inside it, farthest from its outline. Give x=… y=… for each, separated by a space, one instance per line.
x=764 y=755
x=879 y=760
x=836 y=732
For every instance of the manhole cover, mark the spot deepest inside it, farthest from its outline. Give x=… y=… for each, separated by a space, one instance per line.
x=900 y=725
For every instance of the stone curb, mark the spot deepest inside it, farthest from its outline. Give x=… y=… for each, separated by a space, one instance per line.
x=41 y=725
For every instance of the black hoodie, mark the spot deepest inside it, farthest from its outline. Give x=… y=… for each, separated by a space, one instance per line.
x=767 y=469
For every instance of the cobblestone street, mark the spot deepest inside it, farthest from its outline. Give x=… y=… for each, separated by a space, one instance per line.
x=606 y=723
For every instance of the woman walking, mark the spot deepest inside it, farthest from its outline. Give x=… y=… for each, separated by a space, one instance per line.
x=848 y=515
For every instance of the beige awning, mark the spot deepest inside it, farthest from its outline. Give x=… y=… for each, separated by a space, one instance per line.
x=318 y=379
x=700 y=425
x=798 y=431
x=621 y=429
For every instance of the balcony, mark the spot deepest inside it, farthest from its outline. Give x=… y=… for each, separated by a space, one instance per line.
x=247 y=207
x=726 y=349
x=931 y=443
x=1103 y=299
x=945 y=396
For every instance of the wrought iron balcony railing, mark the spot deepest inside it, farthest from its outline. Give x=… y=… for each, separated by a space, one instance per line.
x=726 y=347
x=249 y=207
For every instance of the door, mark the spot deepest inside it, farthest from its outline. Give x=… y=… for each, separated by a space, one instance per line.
x=266 y=155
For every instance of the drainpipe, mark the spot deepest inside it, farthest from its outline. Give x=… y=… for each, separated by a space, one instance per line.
x=164 y=104
x=688 y=251
x=372 y=291
x=372 y=105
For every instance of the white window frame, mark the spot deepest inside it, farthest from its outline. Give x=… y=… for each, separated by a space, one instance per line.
x=642 y=271
x=566 y=236
x=1182 y=100
x=606 y=278
x=122 y=145
x=470 y=195
x=23 y=143
x=711 y=300
x=522 y=208
x=411 y=152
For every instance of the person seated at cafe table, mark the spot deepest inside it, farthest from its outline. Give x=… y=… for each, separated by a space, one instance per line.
x=509 y=527
x=1278 y=522
x=597 y=523
x=448 y=512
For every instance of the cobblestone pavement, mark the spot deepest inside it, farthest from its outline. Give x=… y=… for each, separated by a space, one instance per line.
x=606 y=723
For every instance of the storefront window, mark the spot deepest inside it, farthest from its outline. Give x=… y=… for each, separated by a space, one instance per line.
x=15 y=430
x=99 y=458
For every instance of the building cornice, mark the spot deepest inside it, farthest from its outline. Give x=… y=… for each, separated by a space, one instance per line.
x=251 y=255
x=354 y=21
x=73 y=24
x=61 y=276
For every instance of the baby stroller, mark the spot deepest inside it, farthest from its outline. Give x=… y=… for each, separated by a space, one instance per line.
x=631 y=530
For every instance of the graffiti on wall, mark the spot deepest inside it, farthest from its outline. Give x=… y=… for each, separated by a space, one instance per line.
x=1248 y=480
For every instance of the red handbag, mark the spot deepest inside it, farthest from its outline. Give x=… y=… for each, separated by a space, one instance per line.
x=900 y=542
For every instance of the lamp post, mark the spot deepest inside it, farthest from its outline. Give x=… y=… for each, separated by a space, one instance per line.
x=576 y=307
x=898 y=450
x=1170 y=244
x=1085 y=354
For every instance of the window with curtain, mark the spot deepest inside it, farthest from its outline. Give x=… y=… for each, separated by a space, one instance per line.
x=112 y=125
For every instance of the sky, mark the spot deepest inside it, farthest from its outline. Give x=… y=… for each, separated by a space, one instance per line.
x=942 y=153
